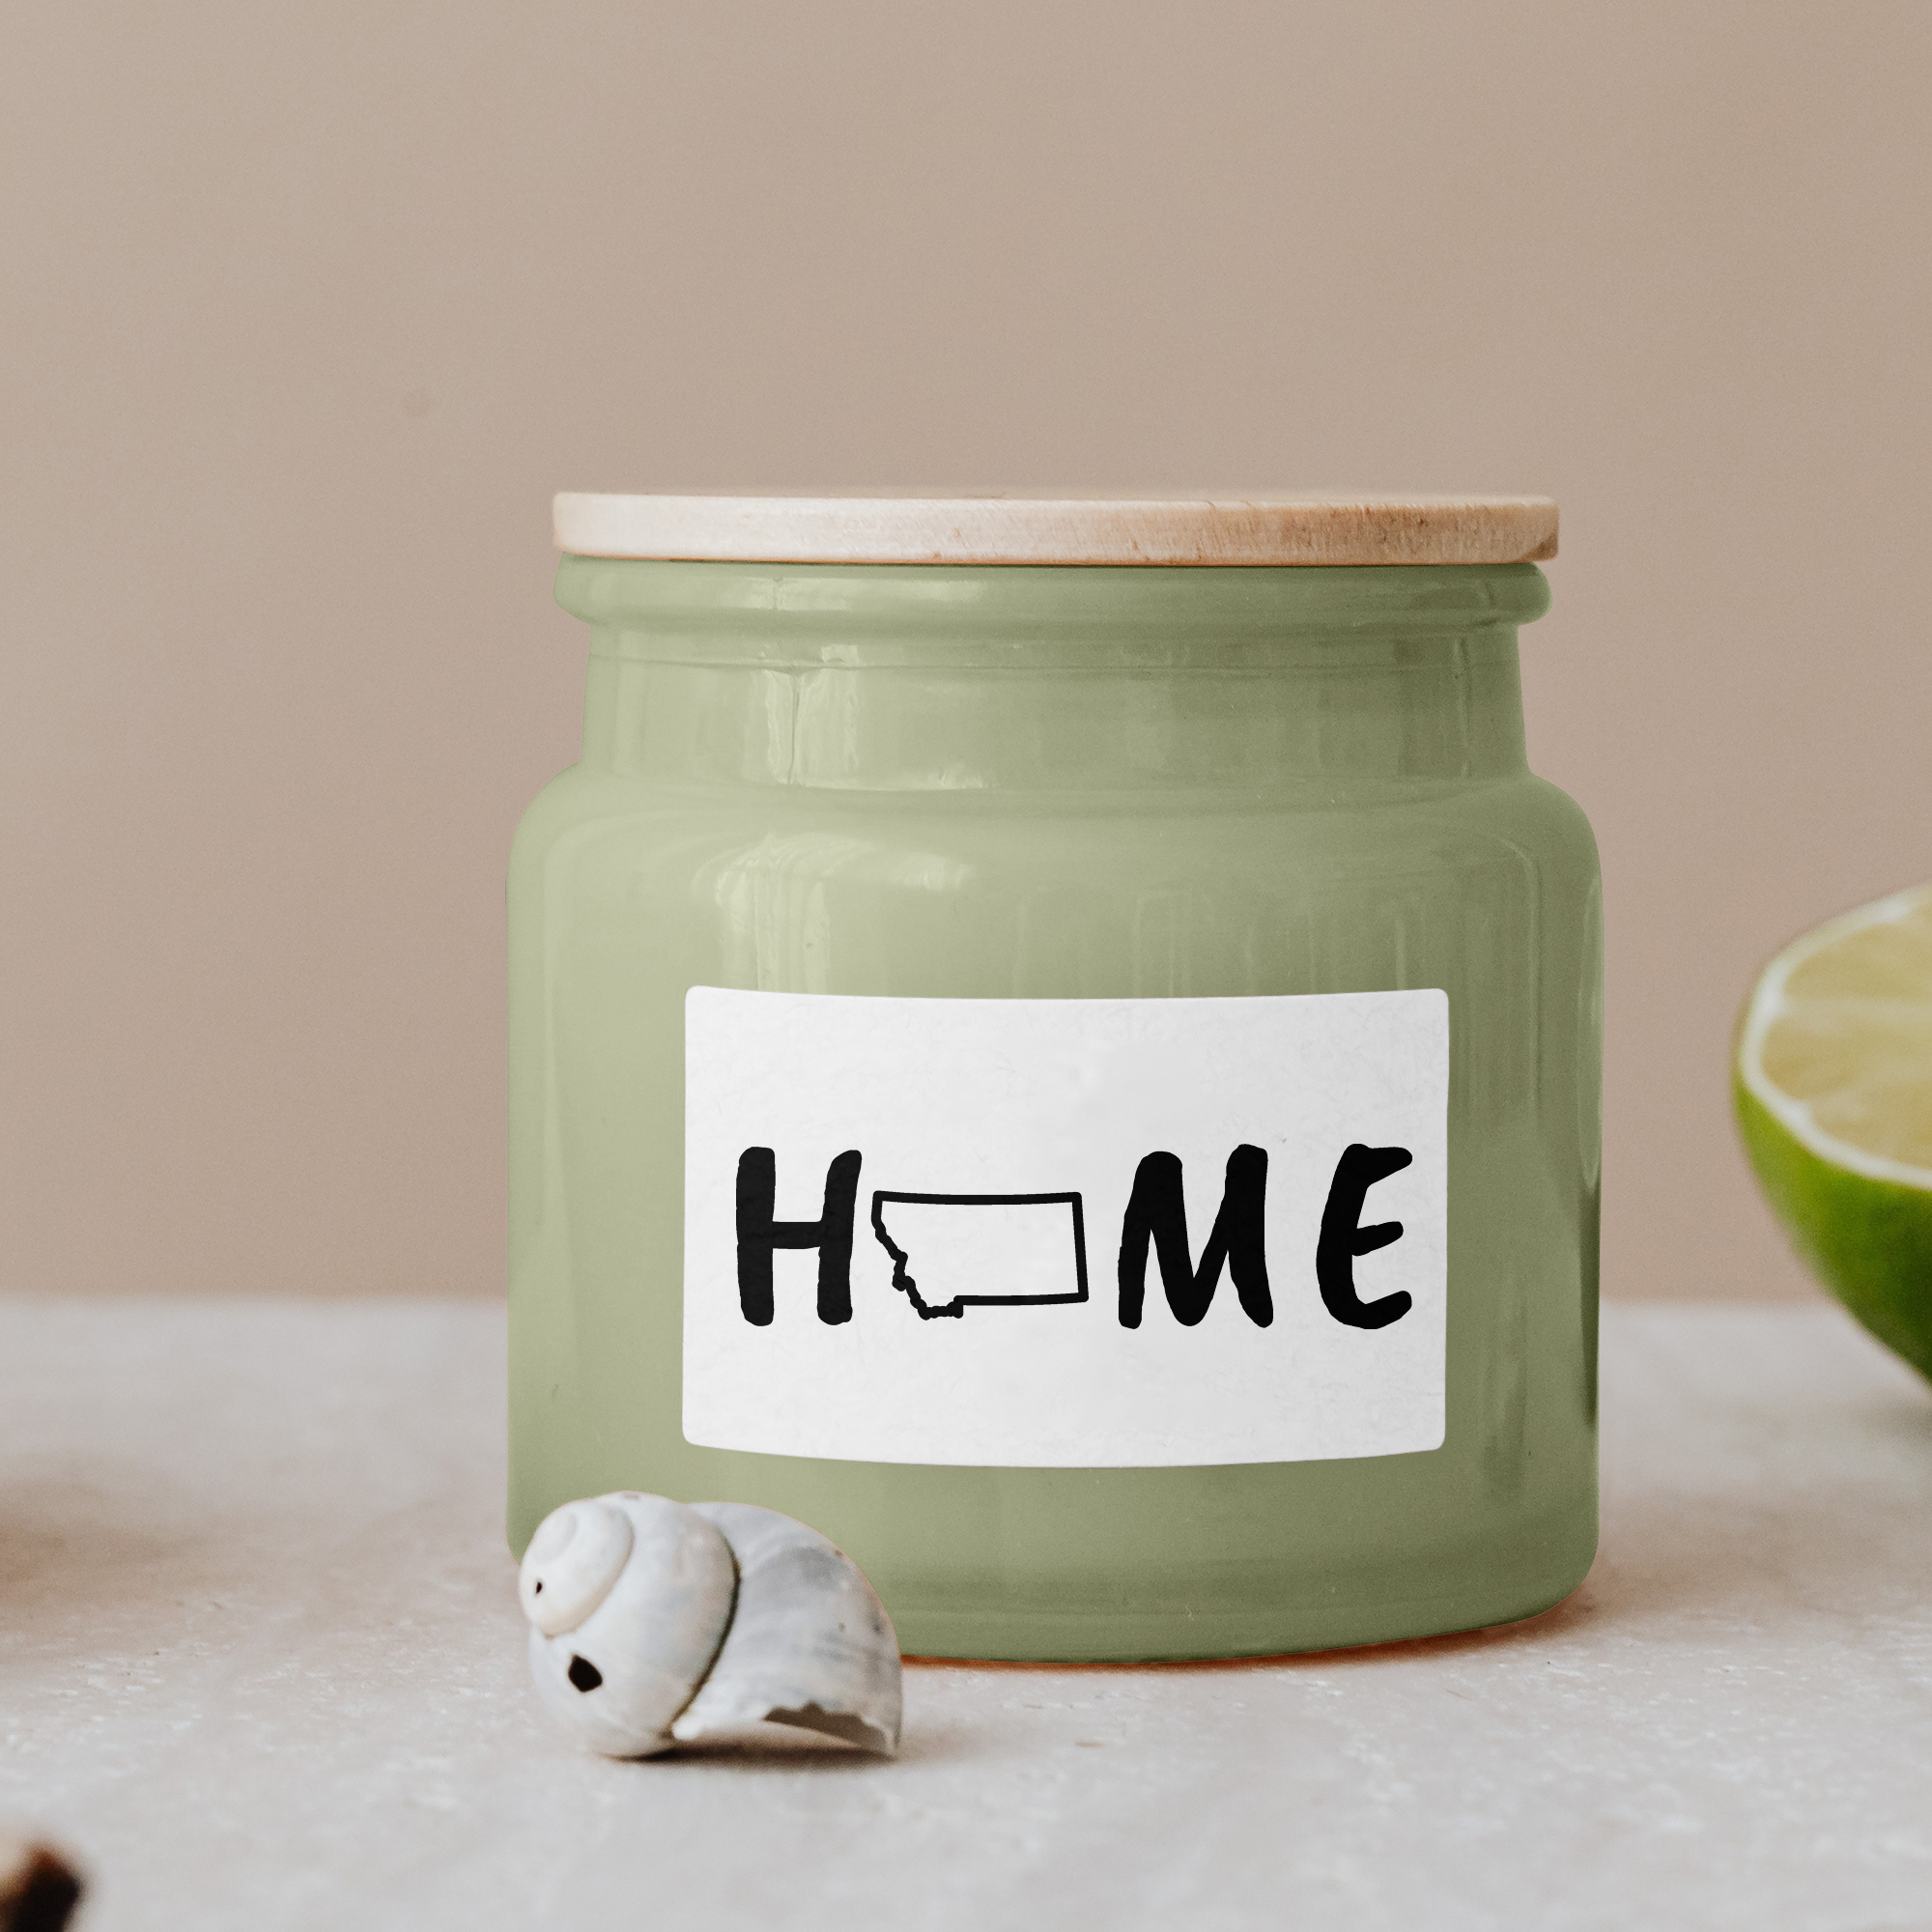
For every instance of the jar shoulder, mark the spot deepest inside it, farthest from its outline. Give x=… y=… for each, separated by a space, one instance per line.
x=1551 y=822
x=605 y=818
x=578 y=795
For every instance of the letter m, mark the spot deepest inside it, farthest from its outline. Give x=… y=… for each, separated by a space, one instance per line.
x=1158 y=1210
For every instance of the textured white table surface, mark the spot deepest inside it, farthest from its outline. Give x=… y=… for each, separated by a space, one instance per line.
x=261 y=1665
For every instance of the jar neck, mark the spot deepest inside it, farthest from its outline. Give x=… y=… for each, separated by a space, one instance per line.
x=930 y=679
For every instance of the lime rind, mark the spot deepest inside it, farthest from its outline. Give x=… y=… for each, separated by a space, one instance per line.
x=1869 y=1239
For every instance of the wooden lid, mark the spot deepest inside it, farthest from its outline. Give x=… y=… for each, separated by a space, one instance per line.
x=1314 y=529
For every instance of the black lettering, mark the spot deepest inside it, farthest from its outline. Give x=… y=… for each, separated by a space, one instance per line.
x=1157 y=1209
x=759 y=1234
x=1344 y=1237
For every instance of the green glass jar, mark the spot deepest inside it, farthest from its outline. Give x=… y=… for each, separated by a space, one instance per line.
x=1070 y=1064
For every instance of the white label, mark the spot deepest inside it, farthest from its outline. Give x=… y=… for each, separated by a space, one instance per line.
x=952 y=1231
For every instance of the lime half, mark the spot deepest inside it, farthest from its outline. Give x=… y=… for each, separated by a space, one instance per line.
x=1833 y=1086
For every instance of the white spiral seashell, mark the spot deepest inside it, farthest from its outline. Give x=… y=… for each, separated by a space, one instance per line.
x=572 y=1562
x=654 y=1623
x=810 y=1644
x=620 y=1674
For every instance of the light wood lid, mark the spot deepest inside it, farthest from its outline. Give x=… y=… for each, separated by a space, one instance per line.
x=1314 y=529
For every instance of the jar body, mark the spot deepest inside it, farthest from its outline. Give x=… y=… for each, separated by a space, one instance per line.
x=929 y=783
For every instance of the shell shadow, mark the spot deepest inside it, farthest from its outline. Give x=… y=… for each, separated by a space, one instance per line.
x=779 y=1747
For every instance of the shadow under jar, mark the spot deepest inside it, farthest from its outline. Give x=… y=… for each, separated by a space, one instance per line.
x=1061 y=1044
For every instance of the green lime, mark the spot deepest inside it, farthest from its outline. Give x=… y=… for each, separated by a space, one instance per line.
x=1833 y=1087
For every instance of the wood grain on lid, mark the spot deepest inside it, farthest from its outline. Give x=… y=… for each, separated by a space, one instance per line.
x=1314 y=529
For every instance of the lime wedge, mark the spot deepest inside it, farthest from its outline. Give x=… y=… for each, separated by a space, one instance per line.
x=1833 y=1088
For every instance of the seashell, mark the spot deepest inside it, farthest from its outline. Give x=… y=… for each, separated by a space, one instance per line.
x=810 y=1644
x=619 y=1674
x=573 y=1559
x=653 y=1623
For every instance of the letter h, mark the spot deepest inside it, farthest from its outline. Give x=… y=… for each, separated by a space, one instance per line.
x=759 y=1234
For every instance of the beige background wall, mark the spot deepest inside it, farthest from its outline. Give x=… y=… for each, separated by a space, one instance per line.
x=307 y=309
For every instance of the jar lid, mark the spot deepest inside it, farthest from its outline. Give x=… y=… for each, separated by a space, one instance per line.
x=1319 y=527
